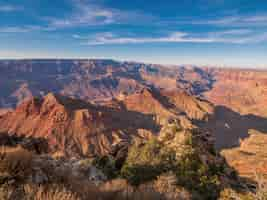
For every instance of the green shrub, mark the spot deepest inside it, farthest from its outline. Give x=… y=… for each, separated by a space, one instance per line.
x=146 y=161
x=107 y=165
x=137 y=174
x=176 y=128
x=197 y=176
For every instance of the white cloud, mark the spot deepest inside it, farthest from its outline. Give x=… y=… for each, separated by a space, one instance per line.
x=237 y=32
x=237 y=20
x=22 y=29
x=109 y=38
x=235 y=36
x=76 y=36
x=14 y=30
x=88 y=14
x=10 y=8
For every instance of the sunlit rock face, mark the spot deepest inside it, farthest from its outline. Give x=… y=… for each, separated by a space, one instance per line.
x=77 y=127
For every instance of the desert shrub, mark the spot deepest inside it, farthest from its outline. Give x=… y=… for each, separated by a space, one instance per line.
x=6 y=192
x=85 y=190
x=189 y=140
x=176 y=128
x=146 y=161
x=197 y=177
x=15 y=163
x=137 y=174
x=213 y=151
x=163 y=188
x=107 y=165
x=119 y=189
x=36 y=192
x=166 y=184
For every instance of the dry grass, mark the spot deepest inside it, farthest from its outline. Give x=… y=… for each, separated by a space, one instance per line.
x=15 y=162
x=119 y=189
x=166 y=185
x=164 y=188
x=52 y=192
x=6 y=192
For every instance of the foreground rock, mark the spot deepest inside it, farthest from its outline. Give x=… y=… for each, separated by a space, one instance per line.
x=20 y=165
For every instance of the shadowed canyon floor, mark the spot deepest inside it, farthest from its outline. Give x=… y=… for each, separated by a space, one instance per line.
x=230 y=128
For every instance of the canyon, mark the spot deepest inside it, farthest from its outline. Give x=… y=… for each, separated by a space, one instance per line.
x=86 y=107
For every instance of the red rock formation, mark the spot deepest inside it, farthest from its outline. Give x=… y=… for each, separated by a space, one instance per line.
x=244 y=91
x=75 y=126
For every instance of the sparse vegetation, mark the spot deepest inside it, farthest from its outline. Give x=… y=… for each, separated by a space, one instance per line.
x=147 y=161
x=15 y=163
x=152 y=171
x=107 y=165
x=196 y=176
x=180 y=164
x=51 y=192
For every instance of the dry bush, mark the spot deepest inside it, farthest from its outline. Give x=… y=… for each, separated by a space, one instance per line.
x=6 y=192
x=15 y=163
x=119 y=189
x=166 y=184
x=84 y=189
x=51 y=192
x=161 y=189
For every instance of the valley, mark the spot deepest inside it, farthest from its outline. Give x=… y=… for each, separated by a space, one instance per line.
x=92 y=108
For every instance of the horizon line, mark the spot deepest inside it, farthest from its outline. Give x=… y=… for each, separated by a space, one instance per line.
x=229 y=66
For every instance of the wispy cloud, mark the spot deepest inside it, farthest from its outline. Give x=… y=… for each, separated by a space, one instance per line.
x=237 y=20
x=22 y=29
x=88 y=14
x=236 y=36
x=14 y=30
x=109 y=38
x=239 y=36
x=9 y=8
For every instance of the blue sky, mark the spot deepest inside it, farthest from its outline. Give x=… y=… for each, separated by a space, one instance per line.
x=214 y=32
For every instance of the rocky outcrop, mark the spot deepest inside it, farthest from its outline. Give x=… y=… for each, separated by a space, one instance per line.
x=195 y=108
x=49 y=170
x=72 y=126
x=250 y=158
x=18 y=165
x=94 y=80
x=242 y=90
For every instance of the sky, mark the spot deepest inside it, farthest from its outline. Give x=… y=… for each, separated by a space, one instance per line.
x=201 y=32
